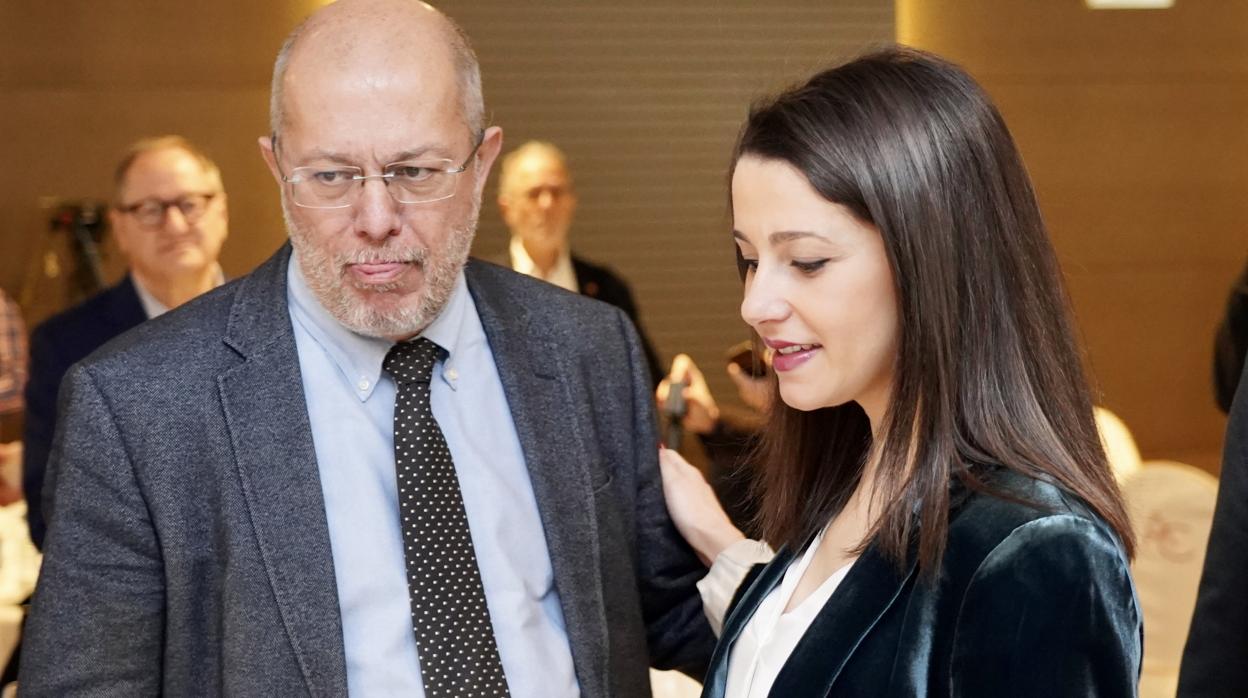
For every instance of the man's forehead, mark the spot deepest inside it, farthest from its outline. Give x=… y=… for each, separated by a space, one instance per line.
x=371 y=54
x=164 y=170
x=372 y=103
x=540 y=166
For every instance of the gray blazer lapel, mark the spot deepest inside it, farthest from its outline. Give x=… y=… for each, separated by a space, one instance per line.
x=267 y=418
x=545 y=415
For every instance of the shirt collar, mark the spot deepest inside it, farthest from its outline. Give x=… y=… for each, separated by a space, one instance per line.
x=153 y=307
x=562 y=274
x=359 y=358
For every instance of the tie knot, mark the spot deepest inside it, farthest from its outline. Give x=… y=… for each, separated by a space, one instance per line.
x=412 y=362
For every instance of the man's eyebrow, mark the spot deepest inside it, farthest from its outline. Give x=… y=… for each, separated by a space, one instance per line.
x=411 y=154
x=423 y=151
x=327 y=155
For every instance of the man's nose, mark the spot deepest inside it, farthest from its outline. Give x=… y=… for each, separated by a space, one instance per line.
x=377 y=213
x=546 y=199
x=175 y=220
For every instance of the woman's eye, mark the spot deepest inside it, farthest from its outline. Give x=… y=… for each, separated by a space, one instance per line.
x=809 y=267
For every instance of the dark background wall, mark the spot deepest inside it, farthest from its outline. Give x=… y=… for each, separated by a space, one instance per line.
x=1132 y=124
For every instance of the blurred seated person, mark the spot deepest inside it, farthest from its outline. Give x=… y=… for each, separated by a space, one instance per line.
x=537 y=201
x=12 y=366
x=169 y=218
x=1231 y=343
x=728 y=436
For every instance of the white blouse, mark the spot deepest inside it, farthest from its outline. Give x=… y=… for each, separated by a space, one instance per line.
x=770 y=635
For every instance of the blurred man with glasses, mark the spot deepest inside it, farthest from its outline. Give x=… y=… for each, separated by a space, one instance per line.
x=169 y=219
x=370 y=467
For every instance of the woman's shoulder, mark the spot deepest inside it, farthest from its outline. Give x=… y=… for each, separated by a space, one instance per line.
x=1017 y=515
x=1035 y=574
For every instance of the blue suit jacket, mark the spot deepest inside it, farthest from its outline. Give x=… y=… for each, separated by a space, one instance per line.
x=58 y=343
x=188 y=549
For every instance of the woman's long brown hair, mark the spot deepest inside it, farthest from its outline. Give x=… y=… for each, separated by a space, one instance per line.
x=988 y=372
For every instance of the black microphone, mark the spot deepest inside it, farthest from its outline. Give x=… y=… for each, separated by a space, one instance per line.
x=674 y=409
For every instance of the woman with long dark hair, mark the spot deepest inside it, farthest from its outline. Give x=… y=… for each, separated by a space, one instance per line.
x=946 y=521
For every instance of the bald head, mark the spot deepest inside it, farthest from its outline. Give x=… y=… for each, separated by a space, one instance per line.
x=532 y=155
x=378 y=41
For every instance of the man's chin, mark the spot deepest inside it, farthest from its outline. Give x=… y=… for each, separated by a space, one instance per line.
x=384 y=297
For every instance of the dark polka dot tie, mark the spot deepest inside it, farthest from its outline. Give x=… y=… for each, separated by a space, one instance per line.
x=458 y=654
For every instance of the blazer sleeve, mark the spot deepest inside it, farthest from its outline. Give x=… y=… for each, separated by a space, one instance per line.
x=1050 y=612
x=46 y=370
x=95 y=626
x=654 y=366
x=1217 y=644
x=677 y=632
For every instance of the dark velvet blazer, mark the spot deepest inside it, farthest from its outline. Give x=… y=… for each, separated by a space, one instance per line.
x=58 y=343
x=1032 y=600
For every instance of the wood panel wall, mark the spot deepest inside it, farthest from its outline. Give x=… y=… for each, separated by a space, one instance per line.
x=645 y=97
x=1134 y=125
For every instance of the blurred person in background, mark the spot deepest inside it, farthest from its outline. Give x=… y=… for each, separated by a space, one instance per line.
x=947 y=522
x=537 y=201
x=12 y=366
x=170 y=219
x=1214 y=658
x=12 y=382
x=729 y=436
x=1231 y=344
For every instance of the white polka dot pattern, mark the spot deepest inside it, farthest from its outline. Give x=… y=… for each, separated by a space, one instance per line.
x=458 y=653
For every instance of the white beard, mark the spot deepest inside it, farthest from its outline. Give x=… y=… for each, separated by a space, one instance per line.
x=325 y=277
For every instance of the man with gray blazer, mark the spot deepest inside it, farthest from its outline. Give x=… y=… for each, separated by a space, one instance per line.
x=368 y=467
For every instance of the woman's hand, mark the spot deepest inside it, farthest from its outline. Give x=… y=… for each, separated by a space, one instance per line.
x=694 y=508
x=756 y=393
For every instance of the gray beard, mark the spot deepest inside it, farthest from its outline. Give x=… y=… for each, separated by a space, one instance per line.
x=325 y=278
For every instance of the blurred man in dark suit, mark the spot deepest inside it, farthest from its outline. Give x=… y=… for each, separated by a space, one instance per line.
x=1217 y=644
x=1231 y=344
x=537 y=200
x=169 y=217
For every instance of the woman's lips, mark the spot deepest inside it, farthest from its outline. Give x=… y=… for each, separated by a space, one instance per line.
x=790 y=361
x=377 y=272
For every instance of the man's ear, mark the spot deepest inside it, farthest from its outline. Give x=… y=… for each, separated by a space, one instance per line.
x=487 y=153
x=117 y=230
x=270 y=157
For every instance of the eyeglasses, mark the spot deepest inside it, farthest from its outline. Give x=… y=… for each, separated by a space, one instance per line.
x=152 y=213
x=419 y=181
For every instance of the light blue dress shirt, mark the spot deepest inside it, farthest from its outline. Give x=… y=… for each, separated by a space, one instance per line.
x=351 y=409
